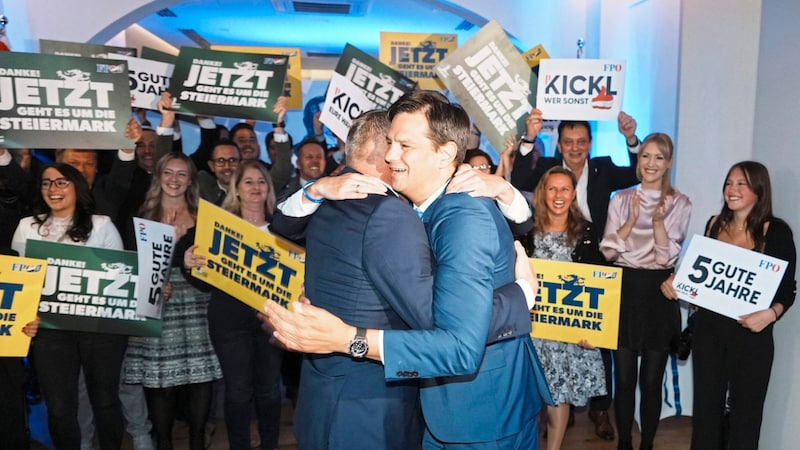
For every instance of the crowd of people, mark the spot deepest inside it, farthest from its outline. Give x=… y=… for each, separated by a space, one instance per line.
x=417 y=330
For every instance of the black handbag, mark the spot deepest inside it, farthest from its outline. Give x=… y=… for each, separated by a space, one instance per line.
x=683 y=345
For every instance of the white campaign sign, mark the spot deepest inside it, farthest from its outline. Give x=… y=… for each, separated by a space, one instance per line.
x=727 y=279
x=580 y=89
x=343 y=103
x=148 y=79
x=155 y=243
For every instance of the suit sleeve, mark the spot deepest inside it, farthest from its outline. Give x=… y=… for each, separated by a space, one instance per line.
x=510 y=315
x=624 y=177
x=400 y=269
x=110 y=190
x=281 y=170
x=462 y=288
x=292 y=228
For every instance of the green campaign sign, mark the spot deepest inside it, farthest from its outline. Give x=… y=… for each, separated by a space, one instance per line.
x=380 y=83
x=227 y=84
x=50 y=101
x=63 y=48
x=492 y=82
x=90 y=289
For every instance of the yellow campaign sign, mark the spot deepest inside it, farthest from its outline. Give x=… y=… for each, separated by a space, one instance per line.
x=577 y=301
x=246 y=262
x=534 y=55
x=20 y=290
x=416 y=55
x=293 y=86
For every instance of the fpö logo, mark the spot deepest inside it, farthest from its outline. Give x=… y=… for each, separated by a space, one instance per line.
x=142 y=232
x=604 y=275
x=30 y=268
x=612 y=67
x=769 y=266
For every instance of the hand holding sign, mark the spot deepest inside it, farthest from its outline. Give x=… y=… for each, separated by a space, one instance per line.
x=729 y=280
x=533 y=123
x=757 y=321
x=627 y=126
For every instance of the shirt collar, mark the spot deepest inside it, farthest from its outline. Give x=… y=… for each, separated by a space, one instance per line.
x=427 y=203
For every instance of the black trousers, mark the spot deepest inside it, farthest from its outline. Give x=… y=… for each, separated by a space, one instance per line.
x=13 y=419
x=726 y=356
x=59 y=357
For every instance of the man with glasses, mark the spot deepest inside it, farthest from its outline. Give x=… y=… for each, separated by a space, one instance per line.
x=225 y=159
x=597 y=177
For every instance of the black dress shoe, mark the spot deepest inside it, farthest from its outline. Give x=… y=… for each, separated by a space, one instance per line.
x=602 y=425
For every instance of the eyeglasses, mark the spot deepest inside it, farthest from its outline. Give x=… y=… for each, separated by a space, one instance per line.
x=482 y=167
x=60 y=183
x=579 y=142
x=222 y=161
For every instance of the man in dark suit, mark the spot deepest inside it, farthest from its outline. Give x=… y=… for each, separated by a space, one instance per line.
x=344 y=402
x=310 y=166
x=224 y=160
x=485 y=395
x=597 y=178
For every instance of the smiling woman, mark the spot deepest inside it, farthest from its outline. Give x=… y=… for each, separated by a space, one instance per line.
x=645 y=230
x=182 y=358
x=64 y=213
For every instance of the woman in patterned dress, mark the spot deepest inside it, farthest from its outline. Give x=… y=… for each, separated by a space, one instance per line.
x=574 y=372
x=182 y=358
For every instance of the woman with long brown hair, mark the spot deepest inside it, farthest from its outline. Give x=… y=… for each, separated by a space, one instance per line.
x=574 y=372
x=735 y=356
x=182 y=358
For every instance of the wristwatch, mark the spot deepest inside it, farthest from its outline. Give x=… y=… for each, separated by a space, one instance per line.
x=280 y=124
x=528 y=140
x=358 y=346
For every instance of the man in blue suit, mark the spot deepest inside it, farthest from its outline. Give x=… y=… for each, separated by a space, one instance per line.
x=346 y=403
x=473 y=395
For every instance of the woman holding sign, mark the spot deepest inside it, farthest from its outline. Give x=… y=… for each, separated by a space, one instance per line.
x=736 y=356
x=574 y=373
x=182 y=358
x=645 y=230
x=251 y=365
x=65 y=214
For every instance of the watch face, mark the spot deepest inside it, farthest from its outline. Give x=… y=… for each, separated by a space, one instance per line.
x=358 y=348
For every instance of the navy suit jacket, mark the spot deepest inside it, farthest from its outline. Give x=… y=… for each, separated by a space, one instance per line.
x=604 y=177
x=368 y=262
x=495 y=390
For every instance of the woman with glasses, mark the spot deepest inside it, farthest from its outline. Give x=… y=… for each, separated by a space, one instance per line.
x=645 y=230
x=251 y=365
x=479 y=160
x=182 y=360
x=64 y=213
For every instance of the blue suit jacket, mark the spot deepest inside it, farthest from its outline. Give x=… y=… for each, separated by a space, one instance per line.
x=368 y=262
x=495 y=390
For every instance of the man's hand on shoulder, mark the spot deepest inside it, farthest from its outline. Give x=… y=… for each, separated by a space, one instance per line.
x=480 y=184
x=346 y=187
